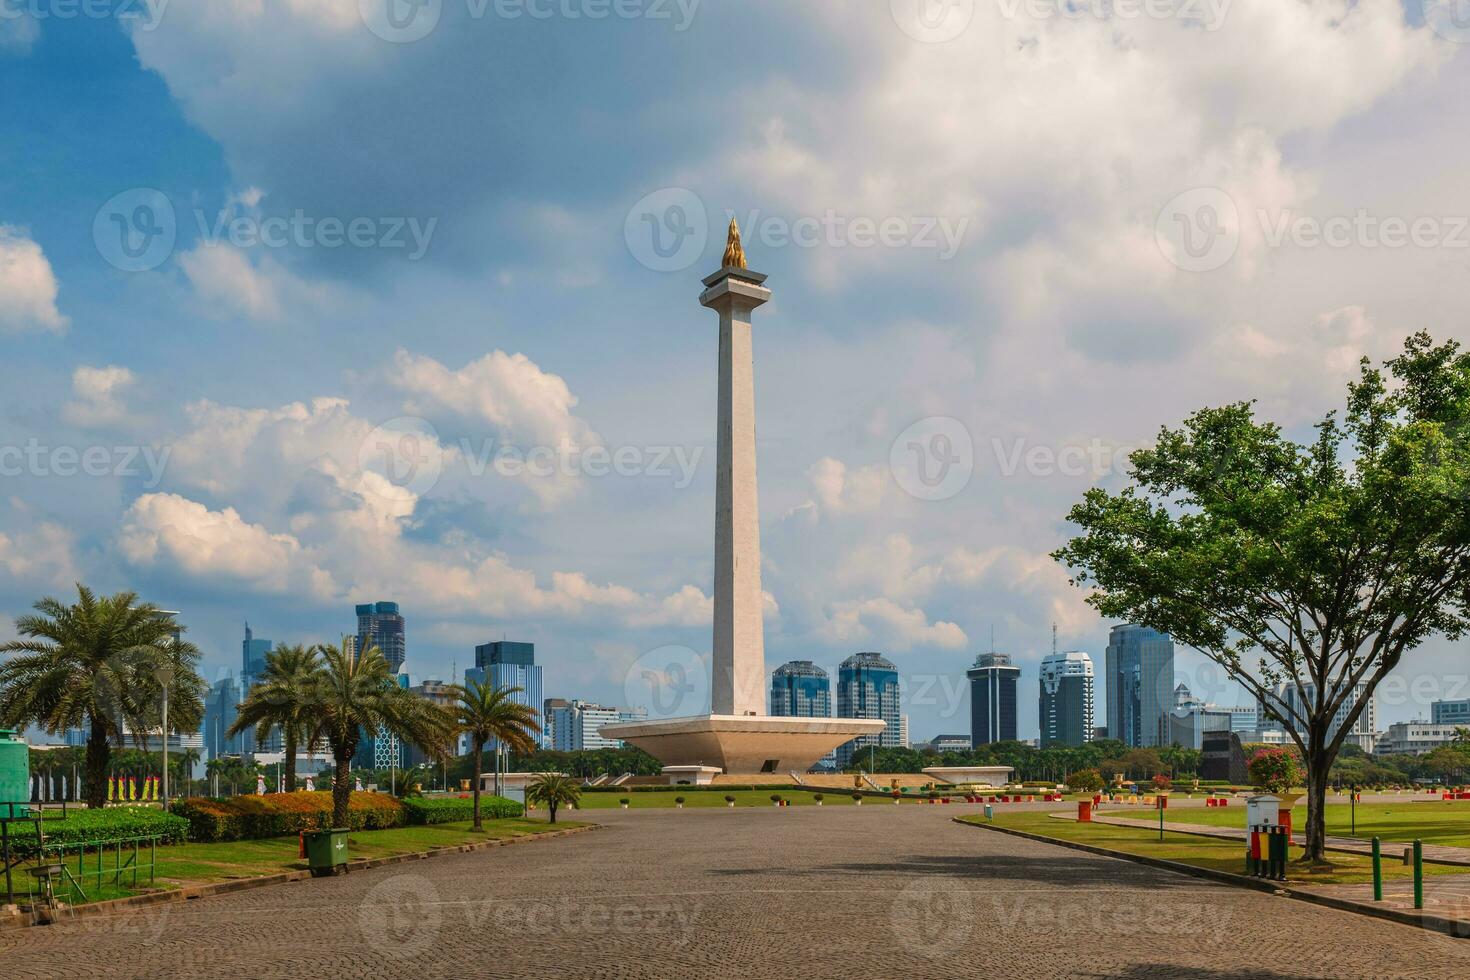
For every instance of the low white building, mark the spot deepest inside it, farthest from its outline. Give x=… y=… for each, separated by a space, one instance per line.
x=1414 y=737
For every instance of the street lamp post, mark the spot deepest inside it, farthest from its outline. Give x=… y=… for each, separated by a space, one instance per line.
x=165 y=748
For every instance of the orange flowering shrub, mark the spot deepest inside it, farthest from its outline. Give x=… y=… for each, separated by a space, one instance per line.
x=279 y=814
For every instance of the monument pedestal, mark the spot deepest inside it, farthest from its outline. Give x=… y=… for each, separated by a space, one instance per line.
x=743 y=744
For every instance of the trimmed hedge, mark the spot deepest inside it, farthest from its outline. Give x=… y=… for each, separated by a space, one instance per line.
x=453 y=809
x=111 y=824
x=279 y=814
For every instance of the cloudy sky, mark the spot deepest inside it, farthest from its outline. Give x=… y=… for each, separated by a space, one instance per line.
x=307 y=303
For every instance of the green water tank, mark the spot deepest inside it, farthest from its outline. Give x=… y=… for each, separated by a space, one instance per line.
x=15 y=775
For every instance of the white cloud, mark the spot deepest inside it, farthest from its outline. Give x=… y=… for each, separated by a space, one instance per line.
x=166 y=529
x=230 y=283
x=41 y=554
x=887 y=623
x=507 y=391
x=99 y=394
x=27 y=285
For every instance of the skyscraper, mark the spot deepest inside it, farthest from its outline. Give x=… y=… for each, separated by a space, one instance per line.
x=380 y=625
x=1296 y=703
x=220 y=710
x=556 y=724
x=867 y=687
x=801 y=689
x=1066 y=699
x=508 y=664
x=252 y=663
x=993 y=699
x=1140 y=683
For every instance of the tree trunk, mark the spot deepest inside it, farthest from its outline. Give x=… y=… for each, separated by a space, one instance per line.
x=1317 y=769
x=341 y=789
x=552 y=807
x=479 y=764
x=98 y=754
x=288 y=744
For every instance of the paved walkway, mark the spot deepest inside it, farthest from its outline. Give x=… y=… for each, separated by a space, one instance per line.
x=1392 y=850
x=800 y=892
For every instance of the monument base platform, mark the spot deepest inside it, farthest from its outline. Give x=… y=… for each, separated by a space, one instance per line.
x=996 y=776
x=742 y=744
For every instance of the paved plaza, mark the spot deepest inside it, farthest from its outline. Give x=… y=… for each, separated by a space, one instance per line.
x=872 y=891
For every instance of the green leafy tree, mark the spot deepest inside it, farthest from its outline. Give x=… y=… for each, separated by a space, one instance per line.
x=1085 y=781
x=552 y=791
x=1274 y=770
x=282 y=700
x=100 y=663
x=1324 y=562
x=485 y=712
x=352 y=693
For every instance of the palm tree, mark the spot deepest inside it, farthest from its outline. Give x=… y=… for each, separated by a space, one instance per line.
x=486 y=712
x=353 y=693
x=281 y=699
x=100 y=664
x=553 y=789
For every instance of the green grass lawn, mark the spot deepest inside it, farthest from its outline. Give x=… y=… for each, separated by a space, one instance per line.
x=1433 y=822
x=188 y=864
x=704 y=798
x=1202 y=852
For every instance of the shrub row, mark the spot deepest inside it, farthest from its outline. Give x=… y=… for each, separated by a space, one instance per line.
x=452 y=809
x=692 y=789
x=111 y=824
x=278 y=814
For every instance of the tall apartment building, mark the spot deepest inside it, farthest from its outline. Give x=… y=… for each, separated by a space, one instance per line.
x=380 y=624
x=868 y=687
x=1139 y=666
x=509 y=664
x=1066 y=705
x=993 y=699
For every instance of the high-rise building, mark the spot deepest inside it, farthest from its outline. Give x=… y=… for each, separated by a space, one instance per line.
x=993 y=699
x=252 y=661
x=1450 y=712
x=867 y=687
x=587 y=718
x=379 y=624
x=1295 y=702
x=1066 y=706
x=505 y=663
x=220 y=710
x=800 y=689
x=1140 y=686
x=556 y=724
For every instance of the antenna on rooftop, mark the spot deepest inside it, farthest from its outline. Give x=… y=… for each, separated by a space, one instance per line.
x=1054 y=639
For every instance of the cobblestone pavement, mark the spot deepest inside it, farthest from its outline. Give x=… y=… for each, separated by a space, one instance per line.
x=796 y=892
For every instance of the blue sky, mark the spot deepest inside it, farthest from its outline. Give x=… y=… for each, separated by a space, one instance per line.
x=971 y=225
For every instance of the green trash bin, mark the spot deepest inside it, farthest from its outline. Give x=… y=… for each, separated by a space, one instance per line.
x=326 y=851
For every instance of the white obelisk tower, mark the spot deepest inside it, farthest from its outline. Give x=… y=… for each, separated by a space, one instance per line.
x=739 y=681
x=737 y=736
